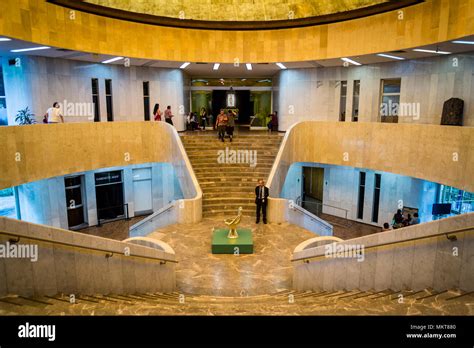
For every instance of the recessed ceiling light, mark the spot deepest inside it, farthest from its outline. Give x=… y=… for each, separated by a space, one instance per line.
x=31 y=49
x=216 y=66
x=249 y=66
x=430 y=51
x=243 y=80
x=463 y=42
x=184 y=65
x=389 y=56
x=112 y=60
x=350 y=61
x=5 y=39
x=281 y=66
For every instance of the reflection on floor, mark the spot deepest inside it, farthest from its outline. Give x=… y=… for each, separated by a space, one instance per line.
x=256 y=284
x=282 y=303
x=266 y=271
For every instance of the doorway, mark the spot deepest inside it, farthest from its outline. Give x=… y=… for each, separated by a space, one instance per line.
x=142 y=192
x=242 y=104
x=313 y=189
x=109 y=195
x=76 y=214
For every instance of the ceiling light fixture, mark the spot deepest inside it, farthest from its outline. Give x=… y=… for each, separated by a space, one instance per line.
x=112 y=60
x=184 y=65
x=389 y=56
x=31 y=49
x=463 y=42
x=216 y=66
x=249 y=66
x=5 y=39
x=281 y=66
x=351 y=61
x=430 y=51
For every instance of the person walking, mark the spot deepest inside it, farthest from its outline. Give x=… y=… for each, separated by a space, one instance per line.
x=221 y=124
x=53 y=115
x=261 y=196
x=203 y=118
x=230 y=125
x=157 y=112
x=169 y=115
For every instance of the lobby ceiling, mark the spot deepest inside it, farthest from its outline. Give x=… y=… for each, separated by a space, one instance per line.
x=237 y=10
x=240 y=70
x=235 y=14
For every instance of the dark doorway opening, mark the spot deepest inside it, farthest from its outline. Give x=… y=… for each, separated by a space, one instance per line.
x=313 y=188
x=109 y=195
x=242 y=104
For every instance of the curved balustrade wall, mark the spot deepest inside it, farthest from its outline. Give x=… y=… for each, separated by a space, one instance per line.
x=438 y=263
x=36 y=152
x=441 y=154
x=78 y=269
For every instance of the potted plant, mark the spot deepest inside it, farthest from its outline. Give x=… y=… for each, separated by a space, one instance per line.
x=24 y=116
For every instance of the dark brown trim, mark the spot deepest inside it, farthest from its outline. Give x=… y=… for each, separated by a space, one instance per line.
x=144 y=18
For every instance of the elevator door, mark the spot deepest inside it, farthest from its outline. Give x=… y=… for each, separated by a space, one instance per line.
x=109 y=195
x=142 y=194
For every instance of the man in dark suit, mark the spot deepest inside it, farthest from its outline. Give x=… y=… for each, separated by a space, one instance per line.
x=261 y=195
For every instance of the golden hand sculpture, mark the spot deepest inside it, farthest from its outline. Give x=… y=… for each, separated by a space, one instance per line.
x=232 y=223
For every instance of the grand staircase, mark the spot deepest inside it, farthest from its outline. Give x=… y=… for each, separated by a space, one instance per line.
x=286 y=302
x=228 y=186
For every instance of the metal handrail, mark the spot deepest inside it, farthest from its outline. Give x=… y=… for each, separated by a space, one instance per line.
x=107 y=255
x=310 y=215
x=152 y=216
x=451 y=238
x=299 y=201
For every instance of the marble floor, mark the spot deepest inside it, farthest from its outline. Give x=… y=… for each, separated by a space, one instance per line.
x=266 y=271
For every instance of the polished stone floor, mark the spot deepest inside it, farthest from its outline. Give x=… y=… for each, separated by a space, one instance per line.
x=266 y=271
x=301 y=304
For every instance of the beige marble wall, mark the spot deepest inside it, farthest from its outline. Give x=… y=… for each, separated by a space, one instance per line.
x=36 y=152
x=436 y=263
x=426 y=23
x=314 y=94
x=74 y=270
x=442 y=154
x=41 y=81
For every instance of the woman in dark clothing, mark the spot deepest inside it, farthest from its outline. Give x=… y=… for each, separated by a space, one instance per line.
x=203 y=118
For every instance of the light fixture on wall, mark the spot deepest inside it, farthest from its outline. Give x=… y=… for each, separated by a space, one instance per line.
x=184 y=65
x=216 y=66
x=249 y=66
x=5 y=39
x=463 y=42
x=347 y=60
x=30 y=49
x=281 y=66
x=112 y=60
x=390 y=56
x=430 y=51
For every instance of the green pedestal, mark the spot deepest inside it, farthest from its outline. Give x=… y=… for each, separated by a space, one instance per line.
x=223 y=245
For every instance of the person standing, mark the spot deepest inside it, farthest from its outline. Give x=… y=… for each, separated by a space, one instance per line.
x=261 y=196
x=203 y=118
x=53 y=115
x=221 y=124
x=230 y=125
x=157 y=112
x=169 y=115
